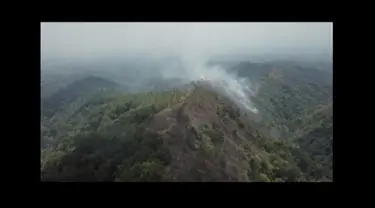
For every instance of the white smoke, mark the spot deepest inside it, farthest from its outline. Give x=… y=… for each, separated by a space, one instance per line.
x=235 y=88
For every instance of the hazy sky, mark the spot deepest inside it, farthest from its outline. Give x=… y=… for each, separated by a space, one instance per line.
x=98 y=39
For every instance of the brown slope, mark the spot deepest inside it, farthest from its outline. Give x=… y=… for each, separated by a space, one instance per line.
x=205 y=141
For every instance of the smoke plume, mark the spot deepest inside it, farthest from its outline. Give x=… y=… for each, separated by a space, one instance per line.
x=195 y=68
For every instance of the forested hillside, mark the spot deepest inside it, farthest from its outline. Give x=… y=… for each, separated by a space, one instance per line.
x=186 y=101
x=297 y=101
x=93 y=130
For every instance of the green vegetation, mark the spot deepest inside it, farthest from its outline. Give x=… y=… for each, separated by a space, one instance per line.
x=297 y=101
x=104 y=137
x=216 y=137
x=91 y=130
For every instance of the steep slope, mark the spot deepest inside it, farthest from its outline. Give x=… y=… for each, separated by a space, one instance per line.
x=194 y=135
x=205 y=146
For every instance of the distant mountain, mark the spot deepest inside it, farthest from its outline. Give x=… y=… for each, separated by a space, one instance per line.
x=78 y=89
x=52 y=81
